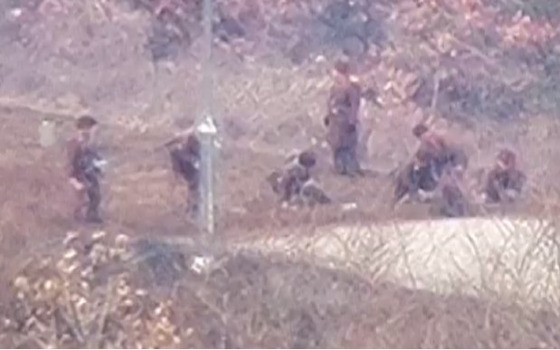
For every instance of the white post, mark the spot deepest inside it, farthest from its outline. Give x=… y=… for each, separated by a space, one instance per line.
x=207 y=131
x=47 y=133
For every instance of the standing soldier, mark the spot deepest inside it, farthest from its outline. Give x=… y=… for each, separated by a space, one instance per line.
x=342 y=120
x=85 y=165
x=185 y=161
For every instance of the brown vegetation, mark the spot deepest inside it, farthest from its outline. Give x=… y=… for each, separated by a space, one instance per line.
x=97 y=292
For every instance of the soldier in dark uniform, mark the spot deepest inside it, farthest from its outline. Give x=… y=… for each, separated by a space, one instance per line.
x=342 y=120
x=504 y=182
x=294 y=184
x=418 y=175
x=85 y=169
x=442 y=152
x=170 y=32
x=451 y=201
x=184 y=152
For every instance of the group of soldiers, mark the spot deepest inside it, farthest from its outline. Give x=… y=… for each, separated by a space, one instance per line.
x=434 y=173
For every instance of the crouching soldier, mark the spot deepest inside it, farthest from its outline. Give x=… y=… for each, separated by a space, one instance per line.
x=417 y=179
x=294 y=184
x=184 y=152
x=85 y=170
x=443 y=153
x=504 y=182
x=451 y=201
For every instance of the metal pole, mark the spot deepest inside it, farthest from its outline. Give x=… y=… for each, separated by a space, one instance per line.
x=207 y=131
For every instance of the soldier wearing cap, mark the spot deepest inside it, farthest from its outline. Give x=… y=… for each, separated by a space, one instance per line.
x=85 y=169
x=342 y=120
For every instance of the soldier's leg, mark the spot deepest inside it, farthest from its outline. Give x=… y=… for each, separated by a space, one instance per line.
x=352 y=162
x=363 y=141
x=350 y=153
x=80 y=204
x=339 y=160
x=453 y=204
x=193 y=200
x=346 y=161
x=94 y=201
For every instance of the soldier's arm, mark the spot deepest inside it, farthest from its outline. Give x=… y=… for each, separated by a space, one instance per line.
x=327 y=120
x=71 y=153
x=515 y=184
x=403 y=184
x=286 y=186
x=400 y=192
x=492 y=188
x=458 y=158
x=355 y=92
x=331 y=102
x=71 y=150
x=519 y=180
x=274 y=179
x=313 y=194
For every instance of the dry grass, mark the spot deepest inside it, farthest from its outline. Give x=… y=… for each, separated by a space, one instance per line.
x=515 y=258
x=107 y=291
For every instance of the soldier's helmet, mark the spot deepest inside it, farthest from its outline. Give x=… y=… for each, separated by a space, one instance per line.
x=85 y=122
x=343 y=68
x=192 y=143
x=507 y=158
x=419 y=129
x=307 y=159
